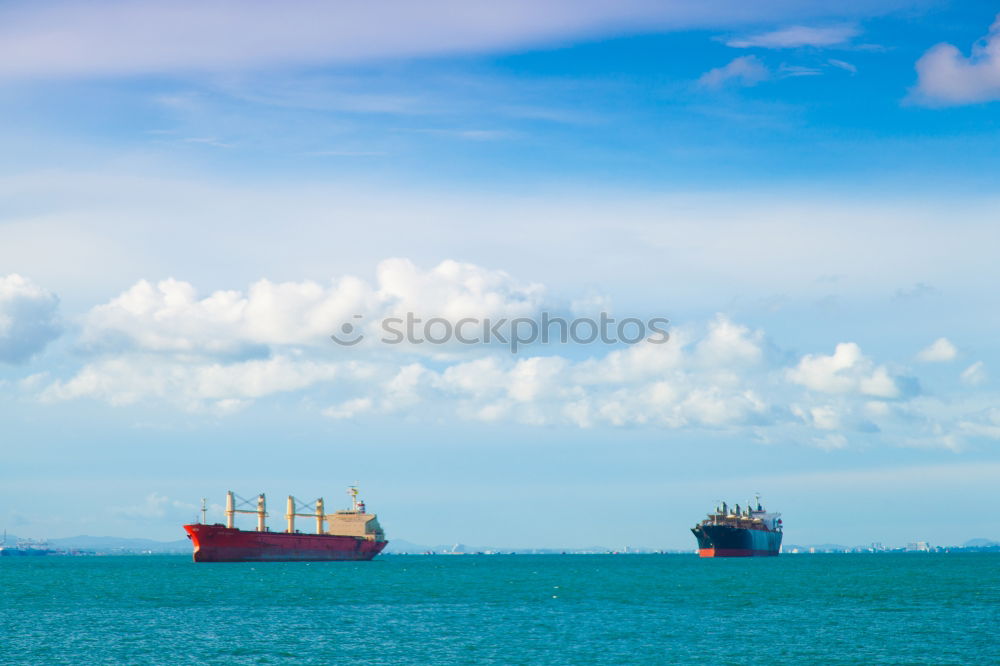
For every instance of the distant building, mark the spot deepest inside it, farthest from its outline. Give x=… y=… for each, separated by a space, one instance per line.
x=918 y=546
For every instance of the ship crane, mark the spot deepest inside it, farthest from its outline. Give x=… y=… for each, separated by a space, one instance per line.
x=293 y=508
x=232 y=510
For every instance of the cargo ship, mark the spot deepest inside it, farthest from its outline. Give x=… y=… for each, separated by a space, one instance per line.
x=732 y=532
x=25 y=548
x=352 y=534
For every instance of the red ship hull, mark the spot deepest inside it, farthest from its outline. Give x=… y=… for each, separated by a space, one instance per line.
x=216 y=543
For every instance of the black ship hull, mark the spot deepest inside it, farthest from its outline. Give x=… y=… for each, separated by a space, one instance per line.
x=729 y=541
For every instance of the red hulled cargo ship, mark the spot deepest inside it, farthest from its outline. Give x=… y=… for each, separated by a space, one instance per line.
x=730 y=532
x=353 y=534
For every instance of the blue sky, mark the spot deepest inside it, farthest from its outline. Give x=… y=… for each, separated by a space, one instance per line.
x=193 y=197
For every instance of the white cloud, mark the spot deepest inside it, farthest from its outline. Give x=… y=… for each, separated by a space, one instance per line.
x=847 y=370
x=975 y=374
x=178 y=352
x=169 y=317
x=115 y=37
x=191 y=384
x=349 y=408
x=796 y=36
x=938 y=351
x=730 y=344
x=947 y=77
x=454 y=290
x=825 y=417
x=28 y=318
x=710 y=385
x=745 y=71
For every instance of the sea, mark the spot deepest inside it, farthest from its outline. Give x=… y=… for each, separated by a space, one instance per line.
x=899 y=608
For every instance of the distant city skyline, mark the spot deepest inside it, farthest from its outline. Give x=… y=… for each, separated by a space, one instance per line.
x=193 y=200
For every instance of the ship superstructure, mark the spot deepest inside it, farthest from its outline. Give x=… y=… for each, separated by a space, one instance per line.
x=351 y=534
x=735 y=532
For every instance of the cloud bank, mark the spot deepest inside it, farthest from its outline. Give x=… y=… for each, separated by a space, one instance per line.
x=170 y=317
x=163 y=343
x=115 y=37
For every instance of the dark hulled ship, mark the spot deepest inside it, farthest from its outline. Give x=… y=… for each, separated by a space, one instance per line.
x=732 y=532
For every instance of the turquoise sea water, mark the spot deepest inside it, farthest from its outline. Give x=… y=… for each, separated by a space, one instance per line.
x=510 y=609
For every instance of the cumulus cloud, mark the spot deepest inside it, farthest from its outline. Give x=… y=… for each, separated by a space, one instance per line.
x=190 y=384
x=222 y=351
x=744 y=71
x=28 y=318
x=847 y=370
x=454 y=290
x=796 y=36
x=170 y=317
x=938 y=351
x=165 y=344
x=945 y=76
x=705 y=382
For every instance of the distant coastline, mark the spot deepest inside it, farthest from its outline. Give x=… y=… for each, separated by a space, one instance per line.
x=109 y=545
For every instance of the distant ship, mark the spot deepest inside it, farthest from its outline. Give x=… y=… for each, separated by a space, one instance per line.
x=351 y=534
x=735 y=533
x=25 y=548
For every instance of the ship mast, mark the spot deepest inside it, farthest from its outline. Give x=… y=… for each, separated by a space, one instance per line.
x=261 y=513
x=230 y=510
x=319 y=516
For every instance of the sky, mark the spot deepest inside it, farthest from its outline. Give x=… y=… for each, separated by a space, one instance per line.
x=194 y=196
